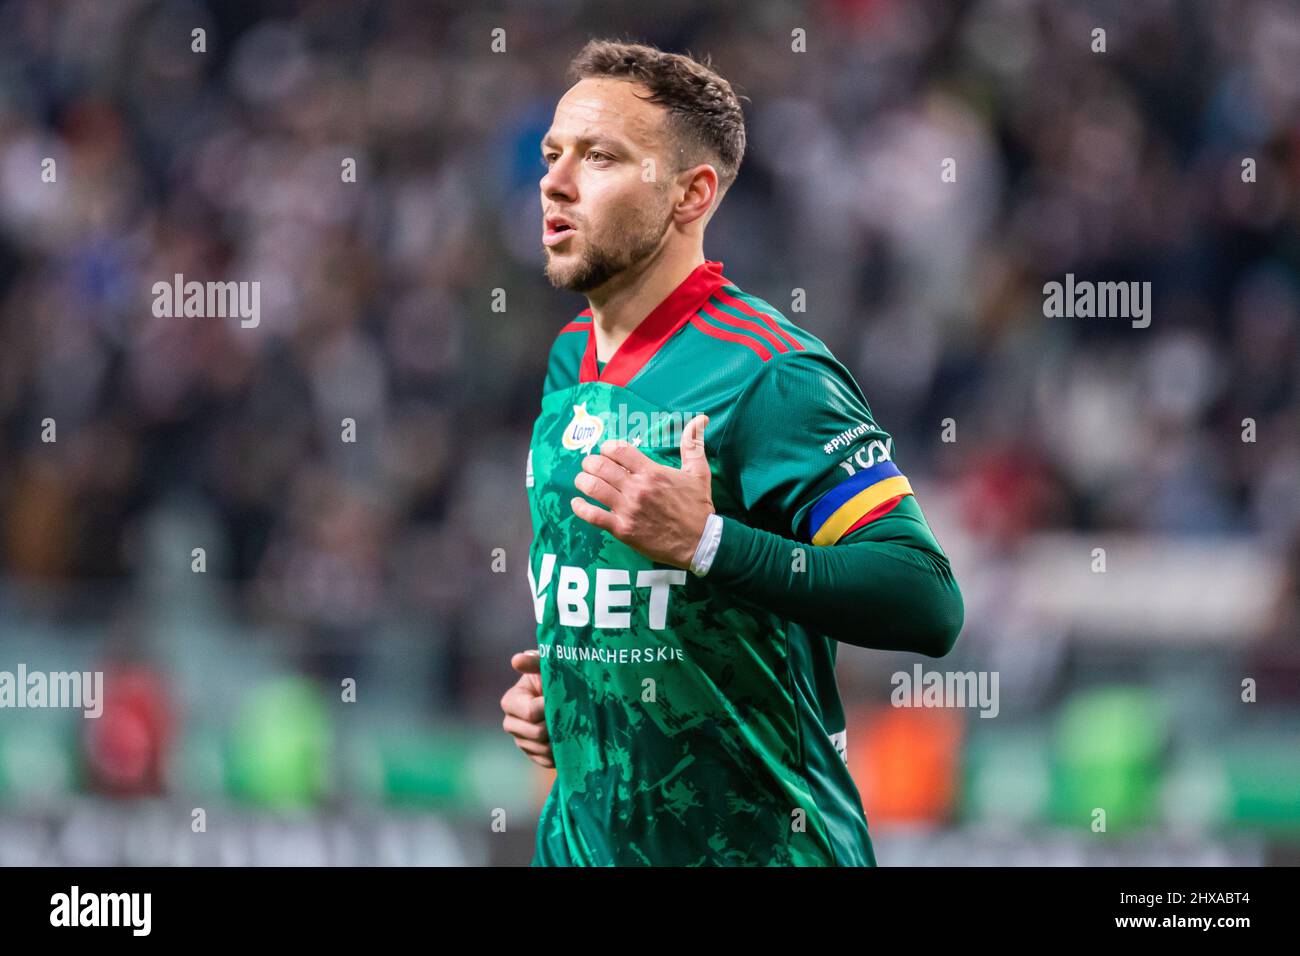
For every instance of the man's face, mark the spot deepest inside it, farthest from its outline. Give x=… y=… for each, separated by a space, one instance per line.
x=595 y=181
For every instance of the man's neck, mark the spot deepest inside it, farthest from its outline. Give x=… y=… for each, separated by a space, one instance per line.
x=616 y=310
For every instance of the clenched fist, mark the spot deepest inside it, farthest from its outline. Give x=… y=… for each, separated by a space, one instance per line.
x=525 y=713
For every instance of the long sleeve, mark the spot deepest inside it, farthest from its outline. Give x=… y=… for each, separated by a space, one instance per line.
x=829 y=533
x=883 y=586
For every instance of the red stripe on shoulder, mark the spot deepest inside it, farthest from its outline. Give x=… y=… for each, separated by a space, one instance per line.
x=879 y=511
x=752 y=327
x=749 y=310
x=728 y=336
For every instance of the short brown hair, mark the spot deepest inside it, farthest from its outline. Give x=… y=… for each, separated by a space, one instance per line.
x=703 y=111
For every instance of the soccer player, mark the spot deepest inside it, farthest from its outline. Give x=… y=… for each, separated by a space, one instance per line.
x=714 y=508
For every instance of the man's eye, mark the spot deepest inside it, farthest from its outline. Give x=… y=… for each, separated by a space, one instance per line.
x=599 y=157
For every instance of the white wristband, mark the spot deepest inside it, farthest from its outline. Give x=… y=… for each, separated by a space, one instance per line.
x=707 y=549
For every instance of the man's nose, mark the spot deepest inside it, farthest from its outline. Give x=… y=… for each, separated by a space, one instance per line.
x=558 y=182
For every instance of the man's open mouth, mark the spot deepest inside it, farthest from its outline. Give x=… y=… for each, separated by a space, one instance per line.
x=556 y=233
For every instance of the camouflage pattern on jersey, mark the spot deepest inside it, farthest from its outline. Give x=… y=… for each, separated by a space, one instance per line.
x=691 y=727
x=643 y=752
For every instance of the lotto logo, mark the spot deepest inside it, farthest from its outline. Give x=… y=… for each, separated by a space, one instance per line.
x=583 y=431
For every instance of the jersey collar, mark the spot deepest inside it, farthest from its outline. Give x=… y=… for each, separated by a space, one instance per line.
x=655 y=329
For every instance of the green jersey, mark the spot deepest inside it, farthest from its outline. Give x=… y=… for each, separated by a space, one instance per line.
x=691 y=726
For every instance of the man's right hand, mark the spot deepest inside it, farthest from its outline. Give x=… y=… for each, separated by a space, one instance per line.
x=525 y=718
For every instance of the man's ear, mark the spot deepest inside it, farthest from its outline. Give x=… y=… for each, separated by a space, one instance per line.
x=700 y=193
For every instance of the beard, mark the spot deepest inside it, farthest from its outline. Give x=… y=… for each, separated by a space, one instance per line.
x=635 y=239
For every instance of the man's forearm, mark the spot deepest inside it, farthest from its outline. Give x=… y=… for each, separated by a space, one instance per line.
x=889 y=595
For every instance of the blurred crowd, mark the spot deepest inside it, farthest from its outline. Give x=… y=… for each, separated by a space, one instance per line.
x=377 y=296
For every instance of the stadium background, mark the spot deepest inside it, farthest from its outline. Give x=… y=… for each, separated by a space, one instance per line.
x=373 y=560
